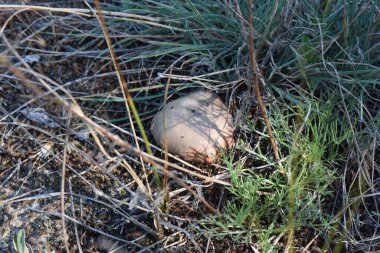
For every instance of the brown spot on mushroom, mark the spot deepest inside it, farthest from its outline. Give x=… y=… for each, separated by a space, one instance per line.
x=197 y=126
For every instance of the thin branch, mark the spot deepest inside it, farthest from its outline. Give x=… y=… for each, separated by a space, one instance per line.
x=63 y=177
x=124 y=86
x=255 y=70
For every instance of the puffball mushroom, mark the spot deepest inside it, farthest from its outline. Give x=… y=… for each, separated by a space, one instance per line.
x=197 y=127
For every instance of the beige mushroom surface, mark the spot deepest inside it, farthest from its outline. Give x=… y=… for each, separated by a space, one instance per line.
x=198 y=126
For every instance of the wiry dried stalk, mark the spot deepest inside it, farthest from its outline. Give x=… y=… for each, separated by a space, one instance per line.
x=124 y=88
x=166 y=147
x=63 y=177
x=88 y=13
x=255 y=70
x=130 y=105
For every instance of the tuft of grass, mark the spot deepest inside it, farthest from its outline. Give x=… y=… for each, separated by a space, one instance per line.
x=263 y=205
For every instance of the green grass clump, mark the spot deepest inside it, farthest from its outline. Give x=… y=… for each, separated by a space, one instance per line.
x=263 y=204
x=197 y=26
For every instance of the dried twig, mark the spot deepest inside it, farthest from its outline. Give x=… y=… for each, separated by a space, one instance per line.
x=123 y=86
x=73 y=213
x=166 y=147
x=63 y=177
x=88 y=13
x=256 y=74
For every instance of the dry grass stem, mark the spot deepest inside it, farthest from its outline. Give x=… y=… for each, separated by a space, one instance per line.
x=255 y=70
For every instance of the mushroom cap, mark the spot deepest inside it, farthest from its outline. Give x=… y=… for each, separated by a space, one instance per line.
x=197 y=126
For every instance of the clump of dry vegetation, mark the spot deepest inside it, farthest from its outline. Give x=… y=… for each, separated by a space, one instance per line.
x=80 y=84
